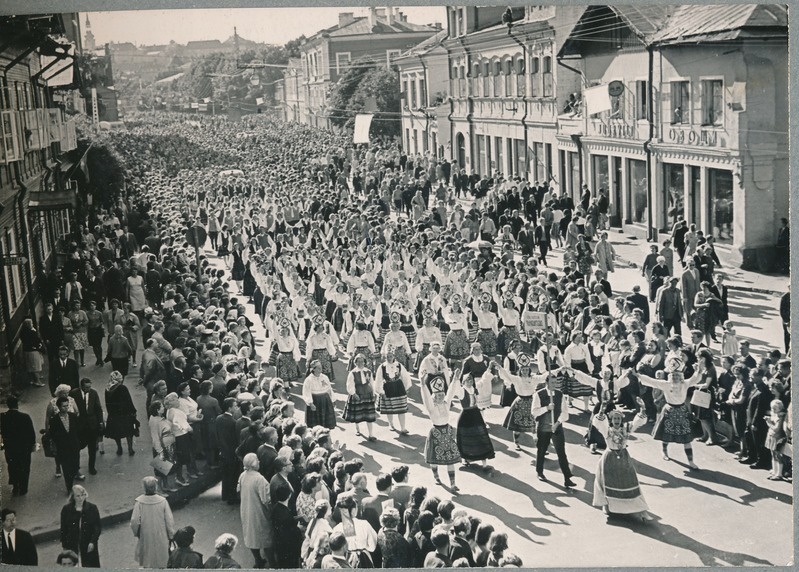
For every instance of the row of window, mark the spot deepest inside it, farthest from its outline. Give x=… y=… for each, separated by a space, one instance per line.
x=505 y=78
x=16 y=95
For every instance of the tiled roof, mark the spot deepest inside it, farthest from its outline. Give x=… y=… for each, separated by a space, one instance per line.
x=360 y=26
x=705 y=21
x=428 y=44
x=204 y=44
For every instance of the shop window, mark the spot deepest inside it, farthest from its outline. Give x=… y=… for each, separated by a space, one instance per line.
x=547 y=73
x=719 y=188
x=712 y=102
x=601 y=172
x=674 y=182
x=641 y=100
x=637 y=181
x=680 y=102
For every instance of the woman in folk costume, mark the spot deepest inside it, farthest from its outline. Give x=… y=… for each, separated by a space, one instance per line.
x=472 y=439
x=392 y=382
x=673 y=424
x=335 y=298
x=407 y=324
x=285 y=356
x=476 y=365
x=577 y=357
x=488 y=324
x=318 y=396
x=320 y=347
x=510 y=318
x=397 y=340
x=520 y=416
x=344 y=320
x=427 y=335
x=362 y=342
x=616 y=487
x=441 y=446
x=510 y=363
x=456 y=348
x=548 y=356
x=360 y=404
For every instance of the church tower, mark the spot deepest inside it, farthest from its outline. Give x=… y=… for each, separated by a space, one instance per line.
x=88 y=43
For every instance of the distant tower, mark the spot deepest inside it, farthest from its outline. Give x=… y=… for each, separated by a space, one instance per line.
x=88 y=43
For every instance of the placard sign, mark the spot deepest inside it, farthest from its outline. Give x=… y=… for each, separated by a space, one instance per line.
x=535 y=321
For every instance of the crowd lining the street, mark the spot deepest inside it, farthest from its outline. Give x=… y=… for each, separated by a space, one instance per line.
x=366 y=255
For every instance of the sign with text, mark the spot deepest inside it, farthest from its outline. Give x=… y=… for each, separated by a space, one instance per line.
x=535 y=321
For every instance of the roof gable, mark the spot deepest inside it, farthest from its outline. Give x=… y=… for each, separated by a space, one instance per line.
x=726 y=21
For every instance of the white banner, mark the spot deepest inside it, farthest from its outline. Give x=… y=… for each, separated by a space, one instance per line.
x=363 y=121
x=596 y=99
x=259 y=101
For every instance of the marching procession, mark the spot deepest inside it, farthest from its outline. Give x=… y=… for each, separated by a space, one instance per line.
x=415 y=278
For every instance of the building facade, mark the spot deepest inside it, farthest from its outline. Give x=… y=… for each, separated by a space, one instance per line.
x=425 y=110
x=36 y=197
x=692 y=127
x=382 y=35
x=505 y=89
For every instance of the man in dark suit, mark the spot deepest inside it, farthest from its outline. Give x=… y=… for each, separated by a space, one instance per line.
x=63 y=370
x=51 y=331
x=599 y=278
x=90 y=418
x=756 y=455
x=638 y=300
x=668 y=306
x=373 y=506
x=17 y=544
x=65 y=432
x=227 y=439
x=267 y=452
x=19 y=441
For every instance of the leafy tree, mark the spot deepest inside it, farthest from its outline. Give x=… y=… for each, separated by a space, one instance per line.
x=341 y=97
x=367 y=87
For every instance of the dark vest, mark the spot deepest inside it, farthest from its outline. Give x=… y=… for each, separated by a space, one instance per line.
x=545 y=421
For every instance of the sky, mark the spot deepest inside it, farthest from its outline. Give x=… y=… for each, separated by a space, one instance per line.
x=267 y=25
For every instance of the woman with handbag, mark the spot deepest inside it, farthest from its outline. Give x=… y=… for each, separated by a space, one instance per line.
x=80 y=527
x=163 y=445
x=121 y=422
x=32 y=348
x=706 y=404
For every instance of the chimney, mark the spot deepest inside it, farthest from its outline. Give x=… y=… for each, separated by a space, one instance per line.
x=345 y=18
x=372 y=17
x=390 y=15
x=402 y=17
x=436 y=26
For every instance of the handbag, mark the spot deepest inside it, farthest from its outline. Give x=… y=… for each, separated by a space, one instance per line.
x=161 y=466
x=48 y=445
x=701 y=399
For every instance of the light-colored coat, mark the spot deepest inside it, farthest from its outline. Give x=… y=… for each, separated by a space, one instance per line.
x=256 y=521
x=153 y=525
x=604 y=253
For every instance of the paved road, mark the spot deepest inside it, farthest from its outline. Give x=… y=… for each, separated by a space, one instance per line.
x=723 y=514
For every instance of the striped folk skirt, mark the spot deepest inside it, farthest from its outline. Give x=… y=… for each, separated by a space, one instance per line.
x=325 y=414
x=616 y=485
x=674 y=424
x=286 y=366
x=441 y=447
x=520 y=416
x=394 y=400
x=361 y=410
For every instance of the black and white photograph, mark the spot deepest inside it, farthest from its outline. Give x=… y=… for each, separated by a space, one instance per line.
x=421 y=286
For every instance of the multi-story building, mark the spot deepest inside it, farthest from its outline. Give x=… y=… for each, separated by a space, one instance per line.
x=36 y=199
x=425 y=107
x=505 y=97
x=713 y=147
x=382 y=35
x=292 y=99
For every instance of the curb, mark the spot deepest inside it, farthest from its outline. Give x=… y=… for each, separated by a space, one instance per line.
x=176 y=500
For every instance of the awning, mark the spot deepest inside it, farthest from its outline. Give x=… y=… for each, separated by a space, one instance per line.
x=51 y=200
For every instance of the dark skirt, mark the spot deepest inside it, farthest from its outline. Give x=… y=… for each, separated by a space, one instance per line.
x=616 y=485
x=674 y=424
x=120 y=426
x=324 y=359
x=358 y=411
x=249 y=282
x=520 y=416
x=472 y=438
x=441 y=447
x=506 y=335
x=488 y=341
x=423 y=353
x=183 y=449
x=457 y=345
x=95 y=336
x=325 y=414
x=508 y=396
x=573 y=388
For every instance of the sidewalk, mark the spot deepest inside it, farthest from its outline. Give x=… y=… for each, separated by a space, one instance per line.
x=118 y=479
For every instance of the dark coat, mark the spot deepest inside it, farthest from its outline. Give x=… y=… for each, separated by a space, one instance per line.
x=66 y=441
x=78 y=531
x=24 y=551
x=67 y=374
x=90 y=418
x=288 y=537
x=227 y=438
x=17 y=431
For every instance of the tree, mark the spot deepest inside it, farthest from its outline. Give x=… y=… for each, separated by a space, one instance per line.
x=365 y=87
